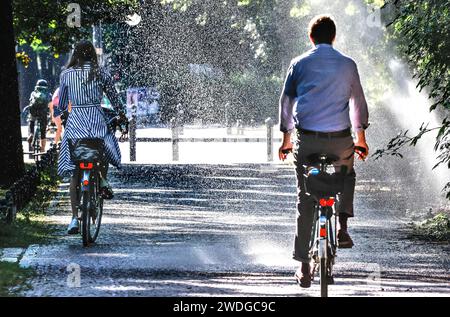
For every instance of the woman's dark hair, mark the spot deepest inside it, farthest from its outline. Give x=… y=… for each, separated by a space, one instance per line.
x=322 y=29
x=84 y=52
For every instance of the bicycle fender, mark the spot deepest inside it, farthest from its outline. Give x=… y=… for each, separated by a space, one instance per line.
x=85 y=180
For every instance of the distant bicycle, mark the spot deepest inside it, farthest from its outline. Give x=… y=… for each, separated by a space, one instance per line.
x=34 y=143
x=324 y=187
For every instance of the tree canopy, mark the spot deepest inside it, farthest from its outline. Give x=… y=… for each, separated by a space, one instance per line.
x=43 y=24
x=421 y=31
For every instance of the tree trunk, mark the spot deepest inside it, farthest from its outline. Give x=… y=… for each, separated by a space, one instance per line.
x=27 y=76
x=11 y=152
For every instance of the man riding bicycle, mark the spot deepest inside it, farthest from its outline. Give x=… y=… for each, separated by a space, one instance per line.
x=322 y=99
x=38 y=111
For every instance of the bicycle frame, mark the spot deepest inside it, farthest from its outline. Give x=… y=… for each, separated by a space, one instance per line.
x=34 y=147
x=323 y=241
x=90 y=201
x=324 y=236
x=86 y=169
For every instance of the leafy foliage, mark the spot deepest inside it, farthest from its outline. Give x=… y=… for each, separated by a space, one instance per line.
x=43 y=24
x=421 y=30
x=23 y=58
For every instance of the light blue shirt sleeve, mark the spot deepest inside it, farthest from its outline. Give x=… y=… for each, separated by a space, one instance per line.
x=287 y=101
x=359 y=114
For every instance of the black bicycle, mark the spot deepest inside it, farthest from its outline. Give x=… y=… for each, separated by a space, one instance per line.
x=88 y=155
x=34 y=143
x=324 y=186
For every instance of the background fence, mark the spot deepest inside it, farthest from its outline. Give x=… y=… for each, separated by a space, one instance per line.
x=178 y=135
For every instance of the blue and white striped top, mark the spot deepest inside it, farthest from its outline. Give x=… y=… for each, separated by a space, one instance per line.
x=86 y=118
x=76 y=87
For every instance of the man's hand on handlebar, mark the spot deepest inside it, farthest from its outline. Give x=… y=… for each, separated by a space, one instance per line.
x=284 y=150
x=362 y=149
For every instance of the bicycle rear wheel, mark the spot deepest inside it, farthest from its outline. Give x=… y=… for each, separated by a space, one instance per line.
x=323 y=278
x=95 y=214
x=85 y=206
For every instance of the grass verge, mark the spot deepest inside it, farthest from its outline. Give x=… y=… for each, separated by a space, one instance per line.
x=13 y=278
x=30 y=227
x=434 y=229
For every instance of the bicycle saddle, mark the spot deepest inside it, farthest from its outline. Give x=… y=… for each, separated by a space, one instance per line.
x=317 y=158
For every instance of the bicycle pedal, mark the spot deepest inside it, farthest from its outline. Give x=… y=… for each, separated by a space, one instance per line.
x=106 y=193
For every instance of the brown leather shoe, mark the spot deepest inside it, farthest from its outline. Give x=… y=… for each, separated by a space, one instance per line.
x=303 y=275
x=344 y=240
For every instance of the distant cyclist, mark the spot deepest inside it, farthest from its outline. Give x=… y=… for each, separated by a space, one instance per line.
x=38 y=111
x=321 y=90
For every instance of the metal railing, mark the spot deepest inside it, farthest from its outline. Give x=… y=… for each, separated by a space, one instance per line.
x=175 y=139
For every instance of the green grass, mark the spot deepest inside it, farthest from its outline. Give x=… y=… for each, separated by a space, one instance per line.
x=30 y=227
x=434 y=229
x=13 y=278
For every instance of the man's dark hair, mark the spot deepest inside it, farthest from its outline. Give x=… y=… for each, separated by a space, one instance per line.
x=322 y=29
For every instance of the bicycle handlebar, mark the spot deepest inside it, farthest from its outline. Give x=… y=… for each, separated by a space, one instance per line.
x=358 y=150
x=361 y=149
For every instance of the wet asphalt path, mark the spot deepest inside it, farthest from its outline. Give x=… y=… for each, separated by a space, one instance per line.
x=227 y=230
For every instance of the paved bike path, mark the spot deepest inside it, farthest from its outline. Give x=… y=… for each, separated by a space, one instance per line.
x=206 y=230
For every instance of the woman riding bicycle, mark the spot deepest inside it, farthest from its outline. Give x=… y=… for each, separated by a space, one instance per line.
x=82 y=85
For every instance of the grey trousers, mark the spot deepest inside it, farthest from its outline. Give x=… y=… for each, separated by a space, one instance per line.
x=343 y=147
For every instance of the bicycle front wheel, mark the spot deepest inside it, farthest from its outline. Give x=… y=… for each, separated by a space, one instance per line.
x=323 y=278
